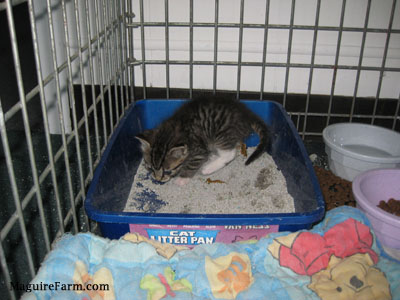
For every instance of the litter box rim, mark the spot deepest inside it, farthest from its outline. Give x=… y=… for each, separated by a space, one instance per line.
x=205 y=219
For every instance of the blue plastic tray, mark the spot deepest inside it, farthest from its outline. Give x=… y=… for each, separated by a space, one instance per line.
x=114 y=175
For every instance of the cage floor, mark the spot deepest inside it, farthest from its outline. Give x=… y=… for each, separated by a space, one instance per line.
x=13 y=245
x=336 y=191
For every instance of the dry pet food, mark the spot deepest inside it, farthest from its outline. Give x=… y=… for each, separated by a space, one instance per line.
x=391 y=206
x=336 y=191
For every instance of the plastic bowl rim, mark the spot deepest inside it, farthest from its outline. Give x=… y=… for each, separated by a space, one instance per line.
x=363 y=157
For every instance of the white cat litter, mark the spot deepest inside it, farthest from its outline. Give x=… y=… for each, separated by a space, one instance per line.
x=257 y=188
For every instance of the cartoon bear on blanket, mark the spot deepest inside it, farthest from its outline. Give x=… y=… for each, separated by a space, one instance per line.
x=340 y=262
x=353 y=277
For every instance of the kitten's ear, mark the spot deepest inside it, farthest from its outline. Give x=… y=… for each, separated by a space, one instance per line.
x=179 y=152
x=145 y=138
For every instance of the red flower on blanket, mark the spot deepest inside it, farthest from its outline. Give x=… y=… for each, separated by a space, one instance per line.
x=350 y=237
x=307 y=253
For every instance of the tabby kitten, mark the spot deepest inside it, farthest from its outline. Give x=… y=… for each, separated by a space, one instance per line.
x=202 y=135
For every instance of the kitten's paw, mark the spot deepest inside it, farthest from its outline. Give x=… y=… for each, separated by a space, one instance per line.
x=218 y=162
x=211 y=168
x=181 y=181
x=206 y=171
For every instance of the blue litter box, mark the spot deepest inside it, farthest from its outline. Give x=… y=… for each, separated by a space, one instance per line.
x=114 y=175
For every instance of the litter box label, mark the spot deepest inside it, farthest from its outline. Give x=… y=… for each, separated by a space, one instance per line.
x=192 y=235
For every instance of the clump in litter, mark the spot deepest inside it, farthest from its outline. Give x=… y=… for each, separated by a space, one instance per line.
x=264 y=179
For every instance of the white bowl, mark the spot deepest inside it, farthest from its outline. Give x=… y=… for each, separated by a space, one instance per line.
x=353 y=148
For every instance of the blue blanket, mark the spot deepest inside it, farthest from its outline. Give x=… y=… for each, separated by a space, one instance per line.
x=339 y=258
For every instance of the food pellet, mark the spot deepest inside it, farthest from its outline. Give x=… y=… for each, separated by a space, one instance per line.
x=392 y=206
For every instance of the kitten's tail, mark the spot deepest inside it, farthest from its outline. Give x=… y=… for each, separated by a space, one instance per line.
x=263 y=132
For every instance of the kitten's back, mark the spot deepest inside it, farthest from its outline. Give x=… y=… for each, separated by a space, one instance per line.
x=223 y=123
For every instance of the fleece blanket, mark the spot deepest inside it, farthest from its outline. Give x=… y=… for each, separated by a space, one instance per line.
x=339 y=258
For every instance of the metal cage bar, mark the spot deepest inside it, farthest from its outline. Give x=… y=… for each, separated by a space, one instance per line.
x=267 y=64
x=310 y=76
x=6 y=273
x=45 y=118
x=129 y=48
x=258 y=26
x=18 y=71
x=82 y=84
x=60 y=113
x=264 y=54
x=73 y=108
x=336 y=63
x=360 y=60
x=289 y=52
x=239 y=63
x=385 y=51
x=91 y=75
x=113 y=62
x=216 y=25
x=100 y=73
x=106 y=58
x=143 y=48
x=191 y=49
x=121 y=46
x=167 y=72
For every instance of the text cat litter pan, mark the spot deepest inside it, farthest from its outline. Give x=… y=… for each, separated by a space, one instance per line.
x=114 y=175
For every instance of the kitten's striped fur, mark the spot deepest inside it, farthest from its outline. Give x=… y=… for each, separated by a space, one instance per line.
x=201 y=135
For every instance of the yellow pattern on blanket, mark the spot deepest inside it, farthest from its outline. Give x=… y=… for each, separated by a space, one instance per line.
x=102 y=277
x=228 y=275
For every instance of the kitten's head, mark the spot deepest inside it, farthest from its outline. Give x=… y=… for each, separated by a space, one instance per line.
x=162 y=157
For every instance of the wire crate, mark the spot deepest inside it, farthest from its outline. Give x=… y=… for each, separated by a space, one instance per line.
x=70 y=69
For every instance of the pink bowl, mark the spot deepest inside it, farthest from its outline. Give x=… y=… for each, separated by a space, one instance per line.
x=369 y=188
